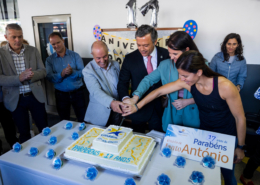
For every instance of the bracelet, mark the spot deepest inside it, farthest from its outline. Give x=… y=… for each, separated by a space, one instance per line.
x=136 y=107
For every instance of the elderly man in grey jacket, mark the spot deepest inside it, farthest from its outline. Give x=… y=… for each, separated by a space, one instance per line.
x=101 y=78
x=21 y=75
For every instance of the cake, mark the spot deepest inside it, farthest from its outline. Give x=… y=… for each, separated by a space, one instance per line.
x=114 y=148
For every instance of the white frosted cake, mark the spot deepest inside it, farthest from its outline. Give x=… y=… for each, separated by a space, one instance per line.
x=113 y=148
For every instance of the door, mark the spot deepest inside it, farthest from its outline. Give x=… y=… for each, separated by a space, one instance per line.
x=43 y=26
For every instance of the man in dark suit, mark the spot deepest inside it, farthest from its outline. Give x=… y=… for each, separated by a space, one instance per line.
x=136 y=66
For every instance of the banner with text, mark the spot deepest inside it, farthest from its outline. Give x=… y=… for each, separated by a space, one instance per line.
x=195 y=144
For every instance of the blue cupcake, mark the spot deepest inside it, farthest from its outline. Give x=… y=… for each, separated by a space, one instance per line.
x=17 y=147
x=91 y=173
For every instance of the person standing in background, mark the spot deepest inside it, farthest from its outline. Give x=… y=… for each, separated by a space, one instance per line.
x=21 y=73
x=230 y=62
x=64 y=70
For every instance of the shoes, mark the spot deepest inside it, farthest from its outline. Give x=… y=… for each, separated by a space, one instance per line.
x=243 y=181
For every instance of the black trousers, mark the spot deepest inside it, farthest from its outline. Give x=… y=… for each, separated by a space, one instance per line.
x=21 y=116
x=64 y=100
x=253 y=162
x=154 y=122
x=8 y=125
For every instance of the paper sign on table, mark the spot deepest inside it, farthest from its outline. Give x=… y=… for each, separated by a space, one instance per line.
x=195 y=144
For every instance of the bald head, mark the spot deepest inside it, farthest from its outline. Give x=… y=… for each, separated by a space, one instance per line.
x=99 y=45
x=99 y=51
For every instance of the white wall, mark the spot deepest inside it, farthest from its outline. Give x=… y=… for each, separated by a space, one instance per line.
x=215 y=20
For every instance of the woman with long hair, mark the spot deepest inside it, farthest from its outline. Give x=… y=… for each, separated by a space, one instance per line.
x=218 y=101
x=181 y=108
x=230 y=62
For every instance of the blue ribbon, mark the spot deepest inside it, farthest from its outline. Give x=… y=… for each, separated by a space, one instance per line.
x=46 y=131
x=196 y=178
x=33 y=151
x=68 y=126
x=163 y=179
x=91 y=173
x=130 y=181
x=180 y=162
x=167 y=152
x=53 y=140
x=82 y=126
x=75 y=135
x=57 y=163
x=17 y=147
x=50 y=154
x=208 y=162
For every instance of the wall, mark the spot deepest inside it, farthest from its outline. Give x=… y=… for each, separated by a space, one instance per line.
x=215 y=20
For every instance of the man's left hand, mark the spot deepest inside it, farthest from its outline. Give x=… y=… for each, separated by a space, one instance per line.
x=239 y=155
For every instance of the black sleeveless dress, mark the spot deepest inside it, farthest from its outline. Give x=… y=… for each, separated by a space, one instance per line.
x=214 y=112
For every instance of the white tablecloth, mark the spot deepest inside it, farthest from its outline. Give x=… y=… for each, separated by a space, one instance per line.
x=19 y=168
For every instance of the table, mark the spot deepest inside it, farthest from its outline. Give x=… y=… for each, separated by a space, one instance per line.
x=19 y=168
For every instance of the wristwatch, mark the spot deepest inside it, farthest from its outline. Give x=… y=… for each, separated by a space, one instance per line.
x=242 y=147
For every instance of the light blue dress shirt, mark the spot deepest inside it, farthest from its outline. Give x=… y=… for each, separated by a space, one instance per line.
x=54 y=66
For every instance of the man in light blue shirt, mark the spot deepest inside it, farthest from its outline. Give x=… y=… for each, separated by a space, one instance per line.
x=64 y=70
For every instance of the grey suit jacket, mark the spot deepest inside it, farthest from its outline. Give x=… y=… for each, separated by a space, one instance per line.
x=100 y=94
x=9 y=79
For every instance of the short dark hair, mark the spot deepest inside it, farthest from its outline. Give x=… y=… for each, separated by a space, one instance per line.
x=12 y=26
x=55 y=34
x=146 y=29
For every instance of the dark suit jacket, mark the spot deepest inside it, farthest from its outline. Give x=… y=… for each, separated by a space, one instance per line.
x=134 y=70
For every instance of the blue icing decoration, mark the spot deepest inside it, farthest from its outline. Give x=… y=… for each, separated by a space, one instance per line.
x=130 y=181
x=91 y=173
x=17 y=147
x=196 y=178
x=170 y=133
x=167 y=152
x=208 y=162
x=180 y=162
x=33 y=151
x=46 y=131
x=163 y=179
x=52 y=140
x=50 y=154
x=57 y=163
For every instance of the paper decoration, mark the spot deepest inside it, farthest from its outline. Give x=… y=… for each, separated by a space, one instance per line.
x=191 y=28
x=97 y=32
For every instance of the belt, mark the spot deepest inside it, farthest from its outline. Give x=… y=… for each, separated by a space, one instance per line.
x=70 y=92
x=26 y=94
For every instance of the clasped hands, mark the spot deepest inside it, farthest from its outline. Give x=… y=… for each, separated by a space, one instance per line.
x=67 y=71
x=27 y=74
x=126 y=107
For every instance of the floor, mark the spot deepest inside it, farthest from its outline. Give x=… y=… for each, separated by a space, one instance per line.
x=53 y=119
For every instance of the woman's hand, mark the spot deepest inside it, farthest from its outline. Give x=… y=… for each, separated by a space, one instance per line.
x=129 y=109
x=180 y=103
x=239 y=155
